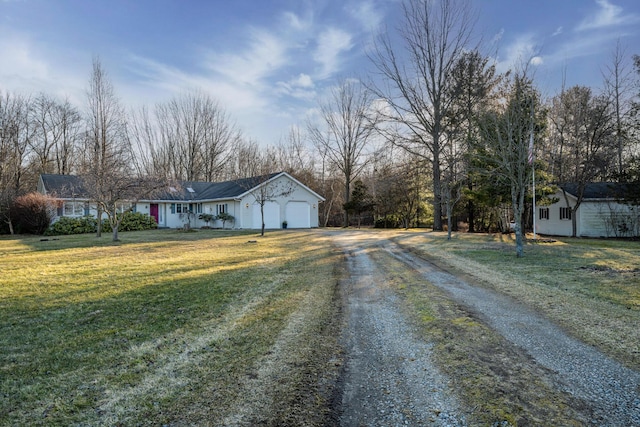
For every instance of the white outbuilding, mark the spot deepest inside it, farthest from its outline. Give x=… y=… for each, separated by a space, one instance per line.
x=603 y=212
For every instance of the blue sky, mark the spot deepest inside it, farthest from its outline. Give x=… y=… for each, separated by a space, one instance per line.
x=267 y=62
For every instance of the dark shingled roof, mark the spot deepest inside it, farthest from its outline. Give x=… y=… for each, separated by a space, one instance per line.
x=598 y=190
x=70 y=186
x=63 y=186
x=214 y=190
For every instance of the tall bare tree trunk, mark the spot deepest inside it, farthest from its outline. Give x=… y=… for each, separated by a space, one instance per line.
x=435 y=35
x=347 y=127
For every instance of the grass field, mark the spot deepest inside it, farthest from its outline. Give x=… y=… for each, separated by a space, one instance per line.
x=205 y=328
x=163 y=327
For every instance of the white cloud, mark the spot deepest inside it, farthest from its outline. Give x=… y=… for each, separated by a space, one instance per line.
x=297 y=23
x=29 y=68
x=265 y=54
x=303 y=80
x=19 y=63
x=521 y=51
x=300 y=87
x=557 y=32
x=366 y=14
x=331 y=44
x=171 y=81
x=537 y=60
x=608 y=15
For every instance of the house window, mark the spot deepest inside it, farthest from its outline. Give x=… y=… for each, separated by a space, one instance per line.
x=543 y=213
x=222 y=208
x=194 y=208
x=173 y=208
x=73 y=208
x=565 y=213
x=124 y=207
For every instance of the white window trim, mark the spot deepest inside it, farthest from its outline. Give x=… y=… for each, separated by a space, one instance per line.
x=73 y=208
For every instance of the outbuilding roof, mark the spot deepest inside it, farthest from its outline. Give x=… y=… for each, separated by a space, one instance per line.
x=598 y=190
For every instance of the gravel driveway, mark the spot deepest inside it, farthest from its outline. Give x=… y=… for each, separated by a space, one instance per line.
x=390 y=380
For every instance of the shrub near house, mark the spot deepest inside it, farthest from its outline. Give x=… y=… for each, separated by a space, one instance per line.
x=32 y=213
x=132 y=221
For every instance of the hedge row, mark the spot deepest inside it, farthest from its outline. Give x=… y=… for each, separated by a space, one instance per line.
x=132 y=221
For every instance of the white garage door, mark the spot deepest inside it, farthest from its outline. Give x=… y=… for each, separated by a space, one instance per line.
x=271 y=216
x=297 y=215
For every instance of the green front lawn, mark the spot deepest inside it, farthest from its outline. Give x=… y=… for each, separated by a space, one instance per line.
x=158 y=328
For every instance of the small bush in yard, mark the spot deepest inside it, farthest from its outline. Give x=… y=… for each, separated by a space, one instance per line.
x=32 y=213
x=72 y=225
x=133 y=221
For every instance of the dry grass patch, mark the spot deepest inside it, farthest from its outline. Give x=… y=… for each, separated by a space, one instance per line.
x=160 y=328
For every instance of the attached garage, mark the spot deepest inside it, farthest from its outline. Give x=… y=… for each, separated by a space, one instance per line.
x=298 y=214
x=271 y=216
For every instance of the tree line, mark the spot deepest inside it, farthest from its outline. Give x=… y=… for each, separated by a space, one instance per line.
x=436 y=138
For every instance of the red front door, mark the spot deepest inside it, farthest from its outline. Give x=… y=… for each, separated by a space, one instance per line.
x=154 y=212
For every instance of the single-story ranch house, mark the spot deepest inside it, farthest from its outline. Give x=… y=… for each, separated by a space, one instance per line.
x=601 y=213
x=284 y=197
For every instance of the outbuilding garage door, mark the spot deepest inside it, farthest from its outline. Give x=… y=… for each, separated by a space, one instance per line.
x=271 y=216
x=297 y=215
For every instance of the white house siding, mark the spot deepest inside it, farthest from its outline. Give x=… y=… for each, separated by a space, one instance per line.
x=553 y=226
x=232 y=209
x=246 y=212
x=271 y=215
x=614 y=219
x=593 y=219
x=173 y=220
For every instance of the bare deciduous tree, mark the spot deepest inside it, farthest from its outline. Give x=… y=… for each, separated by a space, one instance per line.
x=295 y=157
x=110 y=176
x=507 y=130
x=434 y=35
x=265 y=187
x=347 y=128
x=584 y=132
x=247 y=161
x=618 y=84
x=56 y=131
x=194 y=137
x=15 y=134
x=107 y=149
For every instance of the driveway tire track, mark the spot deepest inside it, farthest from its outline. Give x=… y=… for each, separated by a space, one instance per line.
x=389 y=378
